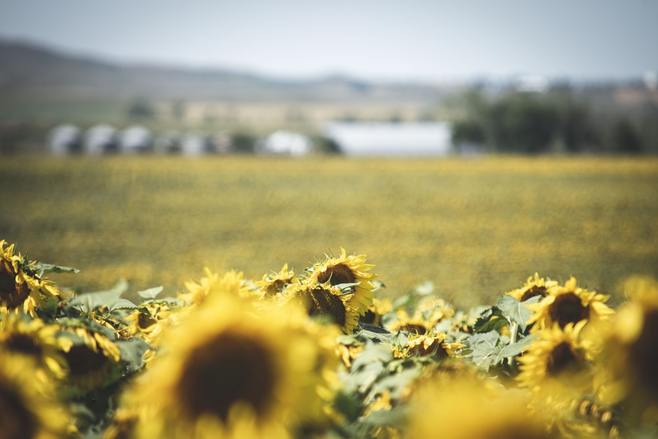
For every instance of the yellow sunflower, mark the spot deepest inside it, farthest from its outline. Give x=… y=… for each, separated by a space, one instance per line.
x=28 y=409
x=348 y=270
x=533 y=287
x=629 y=359
x=427 y=314
x=557 y=365
x=91 y=357
x=232 y=370
x=375 y=312
x=20 y=288
x=470 y=409
x=34 y=339
x=326 y=301
x=274 y=284
x=569 y=304
x=231 y=282
x=429 y=344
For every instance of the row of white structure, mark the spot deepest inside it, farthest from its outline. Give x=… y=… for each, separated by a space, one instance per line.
x=352 y=138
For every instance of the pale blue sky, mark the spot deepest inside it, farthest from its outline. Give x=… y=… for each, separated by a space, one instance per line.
x=431 y=40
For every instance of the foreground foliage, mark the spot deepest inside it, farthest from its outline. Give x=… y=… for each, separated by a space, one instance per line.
x=322 y=354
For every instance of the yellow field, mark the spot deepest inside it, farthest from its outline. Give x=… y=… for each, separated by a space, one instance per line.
x=473 y=227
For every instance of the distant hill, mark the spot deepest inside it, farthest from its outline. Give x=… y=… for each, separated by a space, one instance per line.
x=30 y=69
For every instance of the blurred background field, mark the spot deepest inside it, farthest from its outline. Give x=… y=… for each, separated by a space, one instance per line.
x=474 y=227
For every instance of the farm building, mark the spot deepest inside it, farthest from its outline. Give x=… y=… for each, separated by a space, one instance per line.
x=285 y=143
x=64 y=139
x=196 y=144
x=135 y=139
x=100 y=139
x=388 y=139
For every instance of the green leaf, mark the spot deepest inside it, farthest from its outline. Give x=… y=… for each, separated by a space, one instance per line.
x=484 y=349
x=373 y=353
x=424 y=289
x=348 y=405
x=151 y=293
x=52 y=268
x=514 y=349
x=491 y=319
x=111 y=298
x=395 y=416
x=132 y=352
x=515 y=311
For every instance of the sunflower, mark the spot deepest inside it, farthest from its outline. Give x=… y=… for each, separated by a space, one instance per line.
x=92 y=358
x=324 y=300
x=274 y=284
x=629 y=359
x=34 y=339
x=557 y=365
x=351 y=271
x=234 y=370
x=428 y=313
x=376 y=311
x=148 y=320
x=20 y=286
x=231 y=282
x=569 y=304
x=424 y=345
x=469 y=409
x=28 y=409
x=534 y=286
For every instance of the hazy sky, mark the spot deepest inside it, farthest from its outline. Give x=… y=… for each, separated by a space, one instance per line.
x=379 y=39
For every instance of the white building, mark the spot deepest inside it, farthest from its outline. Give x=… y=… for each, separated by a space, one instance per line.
x=100 y=139
x=193 y=145
x=64 y=139
x=135 y=139
x=285 y=143
x=391 y=139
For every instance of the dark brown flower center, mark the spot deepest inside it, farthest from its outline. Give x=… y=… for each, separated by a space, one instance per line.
x=322 y=302
x=12 y=294
x=644 y=354
x=562 y=359
x=519 y=430
x=414 y=328
x=16 y=420
x=337 y=274
x=568 y=308
x=144 y=320
x=276 y=287
x=23 y=344
x=229 y=369
x=82 y=360
x=534 y=291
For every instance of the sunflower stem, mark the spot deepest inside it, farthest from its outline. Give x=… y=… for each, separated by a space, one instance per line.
x=514 y=329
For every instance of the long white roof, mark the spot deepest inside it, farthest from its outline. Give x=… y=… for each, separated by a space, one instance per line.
x=382 y=138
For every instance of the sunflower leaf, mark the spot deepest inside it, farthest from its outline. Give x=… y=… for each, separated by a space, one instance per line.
x=43 y=268
x=483 y=349
x=150 y=293
x=514 y=311
x=111 y=298
x=514 y=349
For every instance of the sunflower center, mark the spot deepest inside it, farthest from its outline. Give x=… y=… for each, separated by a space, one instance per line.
x=324 y=303
x=644 y=354
x=568 y=308
x=414 y=328
x=144 y=320
x=337 y=274
x=231 y=368
x=15 y=418
x=534 y=291
x=11 y=293
x=276 y=287
x=23 y=344
x=514 y=430
x=82 y=360
x=562 y=359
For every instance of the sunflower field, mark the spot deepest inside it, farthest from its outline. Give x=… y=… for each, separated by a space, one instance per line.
x=321 y=353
